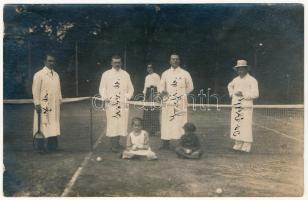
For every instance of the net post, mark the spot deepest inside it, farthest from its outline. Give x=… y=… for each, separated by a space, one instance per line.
x=76 y=69
x=125 y=56
x=29 y=59
x=91 y=125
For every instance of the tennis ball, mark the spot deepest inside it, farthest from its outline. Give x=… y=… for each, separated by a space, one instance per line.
x=188 y=151
x=218 y=190
x=98 y=159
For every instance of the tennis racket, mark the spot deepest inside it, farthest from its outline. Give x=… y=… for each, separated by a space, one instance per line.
x=39 y=140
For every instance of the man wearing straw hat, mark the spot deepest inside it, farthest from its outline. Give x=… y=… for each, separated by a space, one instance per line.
x=46 y=90
x=242 y=89
x=115 y=89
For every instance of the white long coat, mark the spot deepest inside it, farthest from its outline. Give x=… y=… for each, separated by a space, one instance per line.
x=241 y=116
x=178 y=83
x=46 y=91
x=117 y=87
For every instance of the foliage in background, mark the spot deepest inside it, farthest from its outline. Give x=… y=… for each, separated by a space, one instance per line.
x=209 y=37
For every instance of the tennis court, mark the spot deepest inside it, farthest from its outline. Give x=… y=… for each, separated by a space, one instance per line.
x=273 y=168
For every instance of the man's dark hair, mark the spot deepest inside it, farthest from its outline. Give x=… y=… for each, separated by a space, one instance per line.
x=175 y=53
x=116 y=57
x=51 y=54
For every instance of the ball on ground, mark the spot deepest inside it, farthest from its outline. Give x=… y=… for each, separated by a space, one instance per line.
x=218 y=190
x=188 y=151
x=98 y=159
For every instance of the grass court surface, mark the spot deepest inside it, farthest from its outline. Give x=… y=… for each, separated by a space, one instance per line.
x=275 y=167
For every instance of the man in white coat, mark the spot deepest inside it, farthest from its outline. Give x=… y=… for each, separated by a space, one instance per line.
x=176 y=84
x=46 y=90
x=242 y=89
x=115 y=89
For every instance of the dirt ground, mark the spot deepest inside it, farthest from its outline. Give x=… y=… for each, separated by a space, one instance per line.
x=236 y=174
x=273 y=168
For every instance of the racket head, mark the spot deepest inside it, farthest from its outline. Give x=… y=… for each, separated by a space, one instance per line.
x=39 y=142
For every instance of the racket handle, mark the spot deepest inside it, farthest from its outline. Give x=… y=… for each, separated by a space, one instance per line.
x=39 y=121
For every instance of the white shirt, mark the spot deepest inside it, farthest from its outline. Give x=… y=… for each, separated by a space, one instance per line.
x=241 y=117
x=177 y=81
x=178 y=84
x=46 y=81
x=46 y=92
x=248 y=85
x=138 y=140
x=116 y=82
x=116 y=86
x=151 y=80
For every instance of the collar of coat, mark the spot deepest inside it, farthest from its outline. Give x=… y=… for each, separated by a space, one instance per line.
x=48 y=71
x=114 y=70
x=153 y=74
x=176 y=69
x=245 y=77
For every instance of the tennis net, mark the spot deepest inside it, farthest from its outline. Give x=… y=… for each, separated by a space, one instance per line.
x=74 y=120
x=82 y=123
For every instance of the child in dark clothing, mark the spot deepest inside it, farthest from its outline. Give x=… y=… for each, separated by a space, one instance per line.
x=189 y=146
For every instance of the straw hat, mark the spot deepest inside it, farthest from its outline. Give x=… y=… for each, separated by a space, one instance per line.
x=241 y=63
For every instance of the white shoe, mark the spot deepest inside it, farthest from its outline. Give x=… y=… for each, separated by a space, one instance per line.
x=246 y=147
x=238 y=145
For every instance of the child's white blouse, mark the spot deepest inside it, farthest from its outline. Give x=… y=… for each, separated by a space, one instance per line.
x=138 y=139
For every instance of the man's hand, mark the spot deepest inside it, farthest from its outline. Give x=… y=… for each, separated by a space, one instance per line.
x=164 y=93
x=134 y=148
x=38 y=108
x=143 y=147
x=239 y=94
x=107 y=101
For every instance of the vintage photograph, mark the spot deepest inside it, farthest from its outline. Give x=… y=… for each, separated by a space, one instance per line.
x=153 y=100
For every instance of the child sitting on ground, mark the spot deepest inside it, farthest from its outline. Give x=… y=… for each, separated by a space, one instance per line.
x=189 y=146
x=138 y=142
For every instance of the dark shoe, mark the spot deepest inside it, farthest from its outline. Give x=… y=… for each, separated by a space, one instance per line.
x=58 y=150
x=180 y=156
x=52 y=144
x=120 y=147
x=51 y=150
x=115 y=149
x=115 y=144
x=42 y=152
x=162 y=147
x=121 y=156
x=165 y=145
